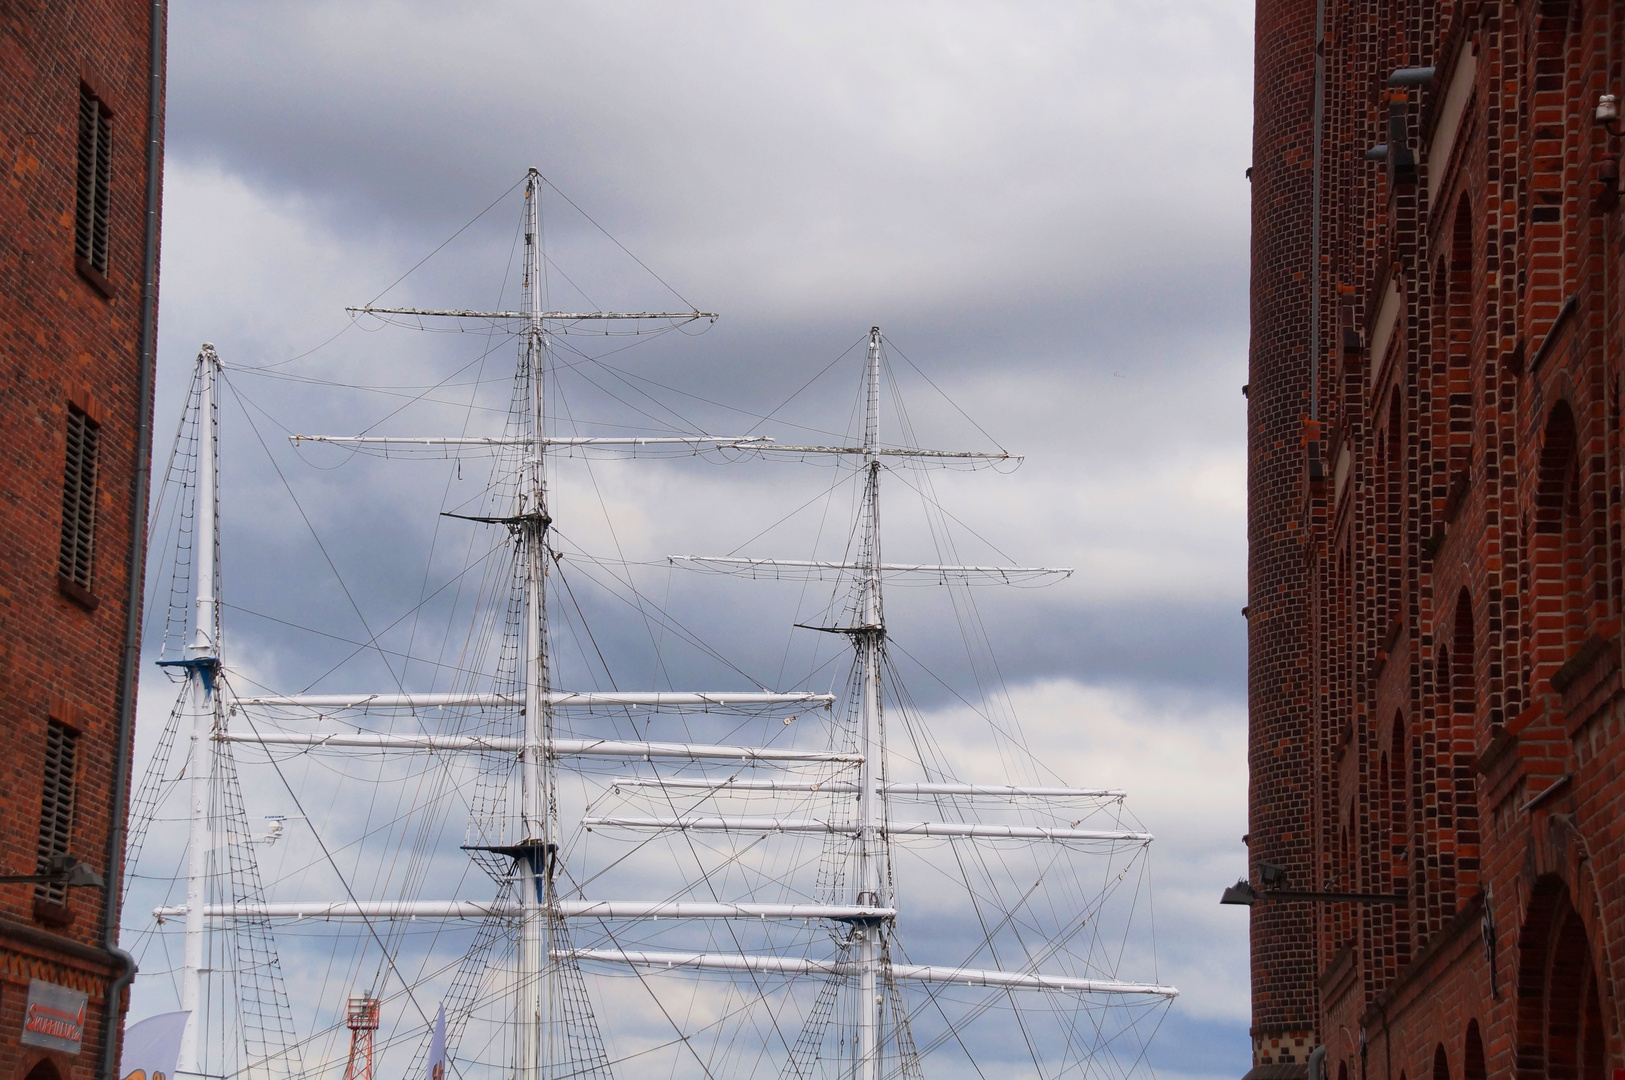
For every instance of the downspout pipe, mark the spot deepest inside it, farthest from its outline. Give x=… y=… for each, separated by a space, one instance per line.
x=1317 y=139
x=1317 y=1063
x=136 y=570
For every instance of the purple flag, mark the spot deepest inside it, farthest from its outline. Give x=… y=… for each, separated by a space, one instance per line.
x=437 y=1047
x=152 y=1047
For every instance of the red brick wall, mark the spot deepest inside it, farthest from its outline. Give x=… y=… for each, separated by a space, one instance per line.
x=1281 y=682
x=63 y=340
x=1450 y=592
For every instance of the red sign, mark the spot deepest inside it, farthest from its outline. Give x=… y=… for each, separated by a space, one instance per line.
x=54 y=1018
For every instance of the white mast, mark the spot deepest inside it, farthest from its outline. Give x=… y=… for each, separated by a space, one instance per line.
x=872 y=875
x=536 y=893
x=202 y=662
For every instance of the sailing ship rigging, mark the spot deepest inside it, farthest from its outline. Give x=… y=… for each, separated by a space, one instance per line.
x=789 y=889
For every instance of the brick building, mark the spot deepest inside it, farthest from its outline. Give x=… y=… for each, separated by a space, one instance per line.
x=1436 y=463
x=81 y=131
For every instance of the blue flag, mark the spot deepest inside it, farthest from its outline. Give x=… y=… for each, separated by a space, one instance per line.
x=437 y=1047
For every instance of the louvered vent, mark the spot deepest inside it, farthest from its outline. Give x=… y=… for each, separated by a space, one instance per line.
x=95 y=177
x=56 y=804
x=79 y=500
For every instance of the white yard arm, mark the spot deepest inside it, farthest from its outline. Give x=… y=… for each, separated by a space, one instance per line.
x=557 y=747
x=865 y=451
x=889 y=568
x=1010 y=832
x=790 y=965
x=569 y=909
x=720 y=824
x=559 y=699
x=565 y=316
x=895 y=828
x=731 y=783
x=503 y=440
x=734 y=783
x=1006 y=791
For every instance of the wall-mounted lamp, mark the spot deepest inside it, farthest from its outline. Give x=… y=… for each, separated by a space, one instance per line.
x=1272 y=877
x=64 y=870
x=1377 y=153
x=1608 y=112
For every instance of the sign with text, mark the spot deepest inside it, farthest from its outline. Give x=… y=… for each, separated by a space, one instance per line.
x=54 y=1018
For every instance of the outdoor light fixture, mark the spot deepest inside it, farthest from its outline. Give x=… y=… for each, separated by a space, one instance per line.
x=1273 y=877
x=1377 y=153
x=1608 y=112
x=62 y=870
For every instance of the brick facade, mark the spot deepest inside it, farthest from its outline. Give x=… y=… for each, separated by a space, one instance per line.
x=1435 y=594
x=74 y=334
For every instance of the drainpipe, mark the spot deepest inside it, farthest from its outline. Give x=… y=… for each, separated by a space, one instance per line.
x=136 y=570
x=1314 y=215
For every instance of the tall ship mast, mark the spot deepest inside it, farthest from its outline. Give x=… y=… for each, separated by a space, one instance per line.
x=769 y=857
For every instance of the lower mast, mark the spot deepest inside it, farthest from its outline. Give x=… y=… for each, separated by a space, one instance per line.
x=535 y=864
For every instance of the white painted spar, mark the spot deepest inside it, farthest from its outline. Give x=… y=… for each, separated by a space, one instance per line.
x=1006 y=791
x=793 y=965
x=738 y=783
x=369 y=740
x=569 y=909
x=1009 y=832
x=558 y=699
x=532 y=316
x=721 y=824
x=895 y=828
x=495 y=440
x=887 y=568
x=732 y=783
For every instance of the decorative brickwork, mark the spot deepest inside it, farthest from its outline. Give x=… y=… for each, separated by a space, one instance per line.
x=74 y=80
x=1436 y=576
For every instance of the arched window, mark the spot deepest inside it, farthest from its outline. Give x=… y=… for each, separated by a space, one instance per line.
x=1400 y=846
x=1544 y=110
x=1463 y=681
x=1392 y=526
x=1441 y=1063
x=1558 y=609
x=1560 y=1026
x=1443 y=679
x=1472 y=1054
x=1463 y=751
x=1458 y=332
x=1438 y=764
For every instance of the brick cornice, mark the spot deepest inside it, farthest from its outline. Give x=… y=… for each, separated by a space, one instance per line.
x=53 y=946
x=1451 y=940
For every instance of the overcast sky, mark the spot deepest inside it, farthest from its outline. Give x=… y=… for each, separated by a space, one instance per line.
x=1042 y=205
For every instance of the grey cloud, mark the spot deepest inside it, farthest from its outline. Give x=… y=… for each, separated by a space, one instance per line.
x=1042 y=205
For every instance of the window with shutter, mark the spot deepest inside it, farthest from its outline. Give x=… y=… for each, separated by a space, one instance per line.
x=78 y=501
x=94 y=179
x=56 y=804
